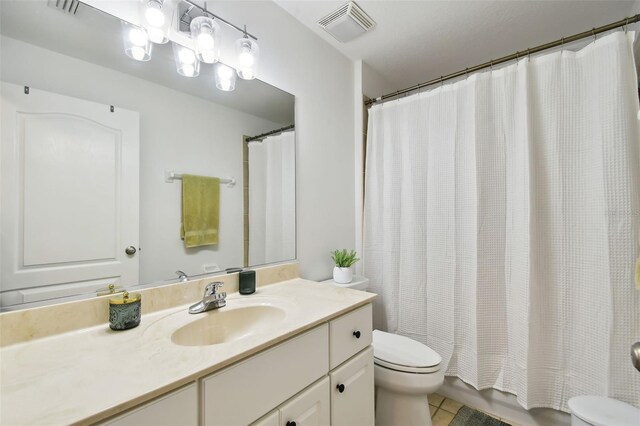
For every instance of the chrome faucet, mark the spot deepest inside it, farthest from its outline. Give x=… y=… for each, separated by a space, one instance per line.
x=182 y=276
x=211 y=299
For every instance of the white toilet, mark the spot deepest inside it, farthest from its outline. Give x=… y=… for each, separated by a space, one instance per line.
x=588 y=410
x=405 y=372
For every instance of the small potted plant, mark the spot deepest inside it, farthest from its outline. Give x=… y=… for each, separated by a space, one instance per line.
x=343 y=260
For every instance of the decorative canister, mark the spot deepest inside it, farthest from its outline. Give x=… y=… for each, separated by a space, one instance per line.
x=125 y=311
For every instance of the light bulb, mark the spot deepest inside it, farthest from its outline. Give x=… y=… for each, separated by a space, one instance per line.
x=225 y=72
x=208 y=56
x=246 y=58
x=156 y=35
x=187 y=56
x=246 y=73
x=248 y=53
x=138 y=36
x=188 y=70
x=138 y=53
x=153 y=14
x=225 y=77
x=205 y=40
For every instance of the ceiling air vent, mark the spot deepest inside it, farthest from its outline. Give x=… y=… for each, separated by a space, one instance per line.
x=68 y=6
x=347 y=22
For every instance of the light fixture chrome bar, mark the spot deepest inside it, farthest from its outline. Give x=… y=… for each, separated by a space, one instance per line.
x=272 y=132
x=213 y=15
x=170 y=176
x=591 y=33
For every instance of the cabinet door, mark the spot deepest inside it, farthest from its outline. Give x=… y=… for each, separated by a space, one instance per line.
x=352 y=391
x=175 y=408
x=246 y=391
x=271 y=419
x=309 y=408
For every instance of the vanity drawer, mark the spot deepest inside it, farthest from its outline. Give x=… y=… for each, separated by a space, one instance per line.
x=244 y=392
x=179 y=407
x=349 y=334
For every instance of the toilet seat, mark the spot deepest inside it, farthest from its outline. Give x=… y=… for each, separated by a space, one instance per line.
x=403 y=354
x=602 y=411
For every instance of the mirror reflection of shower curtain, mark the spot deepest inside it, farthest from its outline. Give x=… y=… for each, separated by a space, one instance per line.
x=272 y=224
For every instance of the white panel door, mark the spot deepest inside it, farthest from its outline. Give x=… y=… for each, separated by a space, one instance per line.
x=70 y=177
x=309 y=408
x=352 y=391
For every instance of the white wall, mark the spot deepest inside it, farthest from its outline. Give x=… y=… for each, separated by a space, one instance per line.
x=298 y=61
x=373 y=84
x=177 y=132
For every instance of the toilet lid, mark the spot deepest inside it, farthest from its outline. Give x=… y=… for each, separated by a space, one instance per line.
x=602 y=411
x=404 y=354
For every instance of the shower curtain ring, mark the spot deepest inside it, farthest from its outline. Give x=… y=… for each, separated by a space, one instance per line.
x=517 y=56
x=441 y=81
x=562 y=45
x=466 y=73
x=626 y=25
x=528 y=54
x=491 y=65
x=593 y=31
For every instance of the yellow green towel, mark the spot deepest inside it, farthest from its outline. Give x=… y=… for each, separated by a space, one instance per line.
x=200 y=210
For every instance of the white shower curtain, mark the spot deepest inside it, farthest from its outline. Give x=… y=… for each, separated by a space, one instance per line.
x=272 y=214
x=501 y=224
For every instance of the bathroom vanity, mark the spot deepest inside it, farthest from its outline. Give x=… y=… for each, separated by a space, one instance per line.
x=294 y=353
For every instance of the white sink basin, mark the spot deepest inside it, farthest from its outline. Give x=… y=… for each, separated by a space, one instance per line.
x=226 y=325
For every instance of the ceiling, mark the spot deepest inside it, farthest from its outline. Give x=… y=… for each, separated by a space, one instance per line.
x=416 y=41
x=94 y=36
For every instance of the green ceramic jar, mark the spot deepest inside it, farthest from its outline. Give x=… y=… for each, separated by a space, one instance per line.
x=125 y=311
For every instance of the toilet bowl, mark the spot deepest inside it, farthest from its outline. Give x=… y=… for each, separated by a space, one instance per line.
x=405 y=372
x=588 y=410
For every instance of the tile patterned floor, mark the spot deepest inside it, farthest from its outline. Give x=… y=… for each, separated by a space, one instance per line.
x=443 y=410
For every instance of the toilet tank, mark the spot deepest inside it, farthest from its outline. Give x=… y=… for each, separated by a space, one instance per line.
x=358 y=283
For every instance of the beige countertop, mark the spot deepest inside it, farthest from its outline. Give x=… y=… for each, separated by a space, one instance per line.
x=87 y=375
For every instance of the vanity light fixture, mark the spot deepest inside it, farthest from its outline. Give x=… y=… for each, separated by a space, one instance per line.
x=225 y=77
x=247 y=51
x=203 y=27
x=155 y=19
x=187 y=63
x=205 y=33
x=136 y=42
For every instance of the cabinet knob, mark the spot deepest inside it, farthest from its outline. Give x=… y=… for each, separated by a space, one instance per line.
x=340 y=388
x=291 y=423
x=356 y=334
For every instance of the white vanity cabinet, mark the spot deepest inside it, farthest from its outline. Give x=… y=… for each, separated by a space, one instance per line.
x=323 y=376
x=271 y=386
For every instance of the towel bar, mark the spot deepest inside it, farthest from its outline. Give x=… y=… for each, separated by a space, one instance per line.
x=170 y=176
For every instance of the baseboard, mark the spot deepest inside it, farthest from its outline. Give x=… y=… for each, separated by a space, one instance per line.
x=501 y=404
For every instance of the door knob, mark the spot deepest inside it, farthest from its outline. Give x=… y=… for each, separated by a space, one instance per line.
x=131 y=250
x=635 y=355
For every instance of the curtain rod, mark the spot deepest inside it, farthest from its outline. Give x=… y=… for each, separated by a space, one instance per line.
x=591 y=33
x=273 y=132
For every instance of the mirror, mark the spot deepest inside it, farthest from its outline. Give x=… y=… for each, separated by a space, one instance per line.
x=94 y=149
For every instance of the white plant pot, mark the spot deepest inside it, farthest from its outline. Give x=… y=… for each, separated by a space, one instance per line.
x=342 y=275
